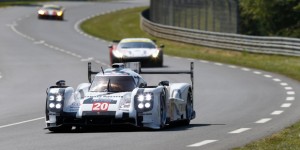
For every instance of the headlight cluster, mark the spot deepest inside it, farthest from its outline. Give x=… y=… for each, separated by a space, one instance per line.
x=59 y=13
x=155 y=54
x=41 y=12
x=125 y=102
x=117 y=53
x=55 y=101
x=144 y=101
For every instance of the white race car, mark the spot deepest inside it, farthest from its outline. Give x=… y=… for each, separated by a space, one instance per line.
x=119 y=95
x=141 y=50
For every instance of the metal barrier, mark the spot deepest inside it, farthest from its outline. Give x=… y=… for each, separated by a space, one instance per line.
x=208 y=15
x=257 y=44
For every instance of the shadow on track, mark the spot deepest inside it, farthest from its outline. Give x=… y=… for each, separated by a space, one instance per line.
x=131 y=128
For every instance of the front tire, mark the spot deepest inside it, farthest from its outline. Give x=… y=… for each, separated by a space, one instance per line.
x=163 y=111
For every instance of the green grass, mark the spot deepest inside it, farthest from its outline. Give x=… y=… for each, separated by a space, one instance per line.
x=125 y=23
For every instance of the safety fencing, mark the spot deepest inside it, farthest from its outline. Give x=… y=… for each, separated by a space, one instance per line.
x=257 y=44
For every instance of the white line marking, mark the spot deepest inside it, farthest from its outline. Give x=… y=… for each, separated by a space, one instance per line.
x=284 y=84
x=264 y=120
x=246 y=69
x=277 y=112
x=219 y=64
x=232 y=66
x=202 y=143
x=277 y=80
x=22 y=122
x=239 y=130
x=204 y=61
x=268 y=76
x=290 y=93
x=290 y=98
x=257 y=72
x=87 y=59
x=288 y=88
x=286 y=105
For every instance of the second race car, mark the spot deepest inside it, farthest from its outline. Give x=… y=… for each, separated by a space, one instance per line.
x=136 y=50
x=119 y=95
x=51 y=12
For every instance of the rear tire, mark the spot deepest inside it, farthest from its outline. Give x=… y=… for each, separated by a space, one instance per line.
x=189 y=108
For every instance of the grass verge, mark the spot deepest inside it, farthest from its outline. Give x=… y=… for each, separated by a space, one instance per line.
x=125 y=23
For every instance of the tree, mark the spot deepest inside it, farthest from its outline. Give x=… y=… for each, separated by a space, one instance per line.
x=270 y=17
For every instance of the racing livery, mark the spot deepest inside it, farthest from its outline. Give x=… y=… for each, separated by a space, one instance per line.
x=136 y=50
x=119 y=95
x=51 y=12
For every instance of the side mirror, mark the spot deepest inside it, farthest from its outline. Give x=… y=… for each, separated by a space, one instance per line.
x=164 y=83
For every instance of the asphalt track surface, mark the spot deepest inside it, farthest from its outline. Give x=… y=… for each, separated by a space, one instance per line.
x=234 y=105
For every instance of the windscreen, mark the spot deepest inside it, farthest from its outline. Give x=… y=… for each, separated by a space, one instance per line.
x=136 y=45
x=52 y=8
x=113 y=84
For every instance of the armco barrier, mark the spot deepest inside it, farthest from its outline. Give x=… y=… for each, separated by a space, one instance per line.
x=257 y=44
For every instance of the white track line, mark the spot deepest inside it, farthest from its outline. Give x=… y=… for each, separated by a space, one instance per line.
x=286 y=105
x=239 y=130
x=290 y=98
x=22 y=122
x=202 y=143
x=264 y=120
x=277 y=112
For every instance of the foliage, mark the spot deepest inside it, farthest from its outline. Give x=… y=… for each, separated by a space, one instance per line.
x=270 y=17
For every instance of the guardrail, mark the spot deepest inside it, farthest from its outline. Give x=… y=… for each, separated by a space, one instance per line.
x=256 y=44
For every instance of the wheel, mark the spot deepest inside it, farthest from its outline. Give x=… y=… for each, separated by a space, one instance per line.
x=189 y=108
x=163 y=111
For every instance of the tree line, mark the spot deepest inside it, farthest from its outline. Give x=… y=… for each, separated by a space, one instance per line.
x=270 y=17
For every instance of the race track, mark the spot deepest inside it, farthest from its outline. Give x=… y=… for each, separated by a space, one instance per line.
x=234 y=105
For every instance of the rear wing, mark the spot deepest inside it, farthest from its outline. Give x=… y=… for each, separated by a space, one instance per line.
x=136 y=66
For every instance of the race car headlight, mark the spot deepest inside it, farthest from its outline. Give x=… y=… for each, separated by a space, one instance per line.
x=51 y=105
x=140 y=98
x=125 y=101
x=51 y=98
x=155 y=54
x=59 y=13
x=117 y=53
x=58 y=106
x=41 y=12
x=59 y=98
x=147 y=105
x=144 y=101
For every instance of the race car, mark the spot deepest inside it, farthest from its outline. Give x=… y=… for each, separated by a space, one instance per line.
x=51 y=12
x=119 y=95
x=136 y=50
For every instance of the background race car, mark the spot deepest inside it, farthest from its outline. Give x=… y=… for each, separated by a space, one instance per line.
x=51 y=12
x=136 y=50
x=119 y=95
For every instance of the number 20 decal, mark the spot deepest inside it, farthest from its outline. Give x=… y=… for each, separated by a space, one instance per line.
x=100 y=106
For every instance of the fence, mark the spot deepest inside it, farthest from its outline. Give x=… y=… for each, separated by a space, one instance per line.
x=269 y=45
x=208 y=15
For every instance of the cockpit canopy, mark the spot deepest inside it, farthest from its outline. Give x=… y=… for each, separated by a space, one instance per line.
x=113 y=84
